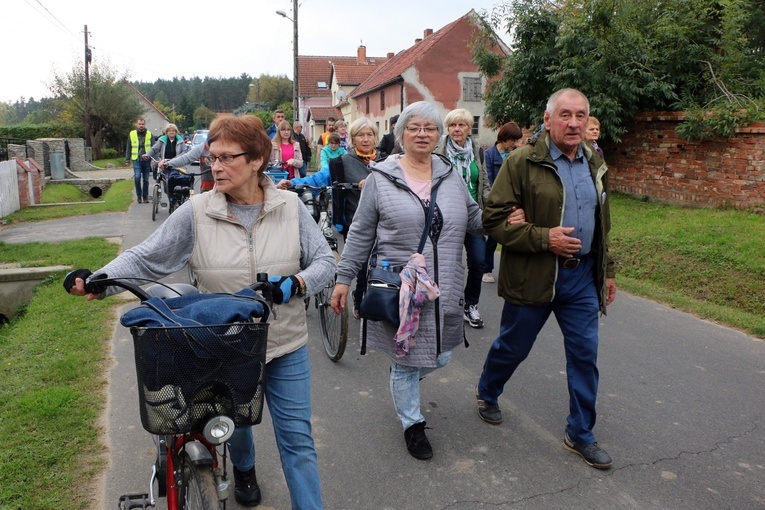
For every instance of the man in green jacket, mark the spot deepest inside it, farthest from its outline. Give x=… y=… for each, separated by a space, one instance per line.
x=558 y=262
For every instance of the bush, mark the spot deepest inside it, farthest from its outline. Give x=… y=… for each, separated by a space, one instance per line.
x=109 y=153
x=35 y=131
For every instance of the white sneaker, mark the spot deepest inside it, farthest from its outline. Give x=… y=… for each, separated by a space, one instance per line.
x=488 y=278
x=472 y=316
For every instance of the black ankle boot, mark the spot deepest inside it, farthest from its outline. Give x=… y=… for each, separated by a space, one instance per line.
x=417 y=442
x=247 y=492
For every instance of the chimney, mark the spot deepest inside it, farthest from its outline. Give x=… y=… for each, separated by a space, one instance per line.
x=361 y=54
x=428 y=31
x=417 y=41
x=389 y=55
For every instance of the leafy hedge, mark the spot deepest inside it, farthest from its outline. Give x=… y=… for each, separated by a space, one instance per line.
x=35 y=131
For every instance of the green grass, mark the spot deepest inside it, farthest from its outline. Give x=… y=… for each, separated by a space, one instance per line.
x=116 y=199
x=116 y=162
x=708 y=262
x=54 y=355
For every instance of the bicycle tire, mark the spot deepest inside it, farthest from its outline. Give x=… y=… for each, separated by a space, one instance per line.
x=197 y=491
x=155 y=198
x=334 y=328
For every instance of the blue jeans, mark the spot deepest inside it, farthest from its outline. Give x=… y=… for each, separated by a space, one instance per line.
x=576 y=309
x=476 y=252
x=303 y=169
x=141 y=171
x=491 y=248
x=288 y=394
x=405 y=389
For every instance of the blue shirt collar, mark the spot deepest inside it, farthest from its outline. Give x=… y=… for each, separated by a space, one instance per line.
x=555 y=152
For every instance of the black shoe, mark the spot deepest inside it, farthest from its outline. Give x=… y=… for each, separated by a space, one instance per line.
x=592 y=454
x=417 y=443
x=489 y=413
x=472 y=316
x=247 y=492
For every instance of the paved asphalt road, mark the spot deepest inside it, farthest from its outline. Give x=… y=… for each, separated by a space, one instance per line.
x=682 y=413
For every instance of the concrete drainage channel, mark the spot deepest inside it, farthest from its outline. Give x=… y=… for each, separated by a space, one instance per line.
x=17 y=284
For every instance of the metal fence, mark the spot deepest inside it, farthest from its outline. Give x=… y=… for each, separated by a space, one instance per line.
x=4 y=146
x=9 y=189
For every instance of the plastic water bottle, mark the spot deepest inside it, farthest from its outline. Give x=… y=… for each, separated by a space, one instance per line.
x=385 y=265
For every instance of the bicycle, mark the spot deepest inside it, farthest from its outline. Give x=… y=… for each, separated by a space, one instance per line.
x=179 y=185
x=334 y=328
x=195 y=385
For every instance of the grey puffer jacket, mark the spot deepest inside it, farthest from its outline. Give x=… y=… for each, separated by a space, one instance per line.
x=390 y=213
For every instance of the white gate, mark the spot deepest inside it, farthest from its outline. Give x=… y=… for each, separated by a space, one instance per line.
x=9 y=188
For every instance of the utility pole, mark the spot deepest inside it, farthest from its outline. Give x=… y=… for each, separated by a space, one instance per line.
x=88 y=57
x=295 y=99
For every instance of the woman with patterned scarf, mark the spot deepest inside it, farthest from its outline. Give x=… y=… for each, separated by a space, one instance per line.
x=467 y=159
x=353 y=168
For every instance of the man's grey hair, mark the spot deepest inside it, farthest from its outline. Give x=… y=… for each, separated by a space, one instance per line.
x=552 y=103
x=419 y=109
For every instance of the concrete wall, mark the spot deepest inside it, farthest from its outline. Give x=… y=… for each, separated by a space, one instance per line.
x=652 y=160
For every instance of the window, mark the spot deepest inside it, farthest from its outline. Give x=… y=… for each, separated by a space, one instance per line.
x=474 y=130
x=382 y=100
x=321 y=85
x=367 y=104
x=471 y=89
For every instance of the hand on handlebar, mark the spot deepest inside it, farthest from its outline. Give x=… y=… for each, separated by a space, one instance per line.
x=284 y=287
x=284 y=184
x=162 y=164
x=74 y=283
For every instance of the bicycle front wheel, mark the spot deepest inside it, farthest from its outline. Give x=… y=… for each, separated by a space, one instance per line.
x=155 y=197
x=334 y=328
x=198 y=489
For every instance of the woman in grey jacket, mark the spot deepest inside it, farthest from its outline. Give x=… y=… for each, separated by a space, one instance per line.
x=392 y=213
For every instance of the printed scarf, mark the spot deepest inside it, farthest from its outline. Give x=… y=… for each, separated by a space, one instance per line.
x=461 y=158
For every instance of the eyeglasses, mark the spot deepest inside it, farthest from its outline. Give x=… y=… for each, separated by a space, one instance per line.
x=417 y=129
x=225 y=159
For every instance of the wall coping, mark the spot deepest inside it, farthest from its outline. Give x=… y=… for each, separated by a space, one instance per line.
x=753 y=128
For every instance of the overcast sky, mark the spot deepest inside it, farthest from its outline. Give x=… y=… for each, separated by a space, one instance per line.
x=223 y=38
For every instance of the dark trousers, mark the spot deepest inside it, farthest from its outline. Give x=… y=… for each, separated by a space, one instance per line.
x=488 y=262
x=475 y=246
x=576 y=309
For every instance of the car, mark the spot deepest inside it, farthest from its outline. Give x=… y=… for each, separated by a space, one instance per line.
x=200 y=136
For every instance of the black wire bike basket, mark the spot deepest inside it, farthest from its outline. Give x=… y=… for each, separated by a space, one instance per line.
x=187 y=374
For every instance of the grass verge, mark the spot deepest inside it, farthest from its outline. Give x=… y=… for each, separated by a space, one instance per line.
x=709 y=262
x=53 y=393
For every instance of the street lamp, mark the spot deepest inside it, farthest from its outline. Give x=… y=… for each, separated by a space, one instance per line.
x=294 y=20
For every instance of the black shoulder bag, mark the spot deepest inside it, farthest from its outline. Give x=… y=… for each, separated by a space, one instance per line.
x=380 y=301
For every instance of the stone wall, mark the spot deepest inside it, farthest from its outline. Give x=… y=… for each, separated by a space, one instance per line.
x=652 y=160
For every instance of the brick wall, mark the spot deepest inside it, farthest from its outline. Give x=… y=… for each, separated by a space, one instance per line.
x=30 y=180
x=652 y=160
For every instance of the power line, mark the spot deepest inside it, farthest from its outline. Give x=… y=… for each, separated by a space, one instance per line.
x=58 y=24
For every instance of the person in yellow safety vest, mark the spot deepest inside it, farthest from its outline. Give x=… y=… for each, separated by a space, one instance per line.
x=138 y=144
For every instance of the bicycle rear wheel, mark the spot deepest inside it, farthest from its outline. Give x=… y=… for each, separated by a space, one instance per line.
x=198 y=490
x=155 y=197
x=334 y=328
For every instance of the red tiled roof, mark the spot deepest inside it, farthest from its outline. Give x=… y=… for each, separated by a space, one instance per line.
x=320 y=113
x=313 y=69
x=353 y=74
x=395 y=67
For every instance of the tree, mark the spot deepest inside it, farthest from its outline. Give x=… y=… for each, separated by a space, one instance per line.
x=113 y=105
x=626 y=56
x=272 y=90
x=203 y=116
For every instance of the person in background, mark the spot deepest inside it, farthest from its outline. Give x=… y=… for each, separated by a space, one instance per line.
x=286 y=150
x=277 y=117
x=333 y=150
x=342 y=131
x=508 y=138
x=391 y=215
x=388 y=141
x=305 y=149
x=245 y=226
x=322 y=141
x=353 y=168
x=139 y=142
x=466 y=157
x=558 y=263
x=168 y=146
x=592 y=133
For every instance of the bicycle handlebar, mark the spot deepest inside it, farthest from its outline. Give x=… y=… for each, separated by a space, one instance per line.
x=334 y=185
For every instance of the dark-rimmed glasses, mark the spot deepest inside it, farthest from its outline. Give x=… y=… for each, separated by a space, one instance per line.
x=225 y=159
